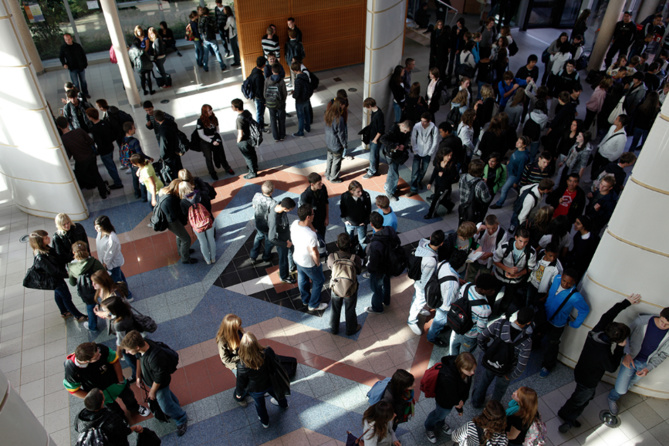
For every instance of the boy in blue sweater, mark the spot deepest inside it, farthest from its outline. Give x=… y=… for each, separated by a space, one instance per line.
x=129 y=147
x=514 y=169
x=561 y=300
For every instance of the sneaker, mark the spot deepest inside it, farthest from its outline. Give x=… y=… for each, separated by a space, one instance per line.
x=564 y=427
x=274 y=401
x=289 y=280
x=440 y=343
x=263 y=424
x=144 y=411
x=392 y=197
x=416 y=329
x=613 y=407
x=349 y=157
x=337 y=180
x=129 y=299
x=366 y=275
x=190 y=261
x=430 y=436
x=411 y=194
x=242 y=402
x=446 y=429
x=372 y=310
x=322 y=306
x=367 y=176
x=116 y=186
x=89 y=329
x=181 y=430
x=357 y=329
x=248 y=176
x=544 y=372
x=424 y=312
x=82 y=319
x=297 y=135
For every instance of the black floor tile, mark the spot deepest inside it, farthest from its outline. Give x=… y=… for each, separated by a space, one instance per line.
x=247 y=274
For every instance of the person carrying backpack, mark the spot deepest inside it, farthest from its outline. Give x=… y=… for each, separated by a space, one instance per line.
x=474 y=193
x=79 y=271
x=158 y=362
x=475 y=313
x=427 y=253
x=453 y=382
x=275 y=101
x=97 y=423
x=378 y=254
x=528 y=202
x=506 y=349
x=447 y=288
x=200 y=219
x=345 y=268
x=302 y=93
x=245 y=142
x=513 y=261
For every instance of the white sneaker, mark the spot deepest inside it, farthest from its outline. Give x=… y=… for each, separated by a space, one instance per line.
x=144 y=411
x=274 y=401
x=416 y=330
x=322 y=306
x=424 y=312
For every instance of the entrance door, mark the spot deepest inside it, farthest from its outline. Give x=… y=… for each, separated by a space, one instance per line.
x=551 y=13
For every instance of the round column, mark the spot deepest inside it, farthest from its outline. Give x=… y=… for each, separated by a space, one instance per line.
x=612 y=16
x=17 y=423
x=647 y=8
x=633 y=256
x=26 y=37
x=32 y=158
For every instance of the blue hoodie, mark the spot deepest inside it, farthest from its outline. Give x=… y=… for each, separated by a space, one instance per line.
x=554 y=300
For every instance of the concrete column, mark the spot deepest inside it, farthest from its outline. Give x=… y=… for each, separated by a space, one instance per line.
x=384 y=44
x=633 y=256
x=110 y=13
x=612 y=16
x=26 y=37
x=17 y=422
x=32 y=157
x=647 y=8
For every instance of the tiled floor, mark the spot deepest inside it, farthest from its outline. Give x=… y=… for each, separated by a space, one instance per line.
x=188 y=302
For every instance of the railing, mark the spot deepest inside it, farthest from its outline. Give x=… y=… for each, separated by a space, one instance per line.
x=449 y=9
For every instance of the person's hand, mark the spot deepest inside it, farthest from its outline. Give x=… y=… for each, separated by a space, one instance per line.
x=597 y=207
x=148 y=124
x=529 y=80
x=623 y=343
x=589 y=195
x=64 y=101
x=327 y=221
x=627 y=361
x=137 y=428
x=400 y=147
x=216 y=143
x=634 y=298
x=153 y=202
x=515 y=87
x=515 y=185
x=139 y=383
x=397 y=443
x=65 y=66
x=461 y=405
x=289 y=244
x=429 y=186
x=513 y=270
x=486 y=256
x=362 y=224
x=152 y=394
x=642 y=373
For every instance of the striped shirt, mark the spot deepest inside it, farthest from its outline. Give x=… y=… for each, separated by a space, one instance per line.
x=467 y=435
x=532 y=174
x=271 y=45
x=502 y=328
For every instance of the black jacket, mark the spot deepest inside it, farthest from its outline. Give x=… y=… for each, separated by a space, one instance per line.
x=100 y=374
x=171 y=206
x=378 y=248
x=355 y=211
x=302 y=91
x=279 y=228
x=577 y=206
x=62 y=243
x=395 y=137
x=254 y=380
x=154 y=366
x=52 y=265
x=624 y=33
x=580 y=255
x=596 y=356
x=73 y=56
x=258 y=83
x=455 y=144
x=168 y=139
x=399 y=95
x=112 y=424
x=104 y=137
x=76 y=115
x=451 y=388
x=319 y=201
x=377 y=124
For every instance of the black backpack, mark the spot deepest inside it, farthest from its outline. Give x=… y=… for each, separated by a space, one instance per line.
x=414 y=266
x=532 y=130
x=85 y=289
x=454 y=116
x=397 y=260
x=433 y=296
x=93 y=436
x=195 y=141
x=255 y=132
x=183 y=144
x=499 y=357
x=459 y=316
x=158 y=218
x=313 y=80
x=247 y=88
x=518 y=204
x=171 y=354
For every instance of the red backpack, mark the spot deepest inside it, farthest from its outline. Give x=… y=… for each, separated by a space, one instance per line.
x=199 y=218
x=428 y=385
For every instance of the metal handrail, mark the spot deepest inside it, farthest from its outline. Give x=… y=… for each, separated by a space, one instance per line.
x=455 y=11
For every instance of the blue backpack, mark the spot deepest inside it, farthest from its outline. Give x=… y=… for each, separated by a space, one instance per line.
x=376 y=392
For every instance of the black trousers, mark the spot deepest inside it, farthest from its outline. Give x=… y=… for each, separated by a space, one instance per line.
x=250 y=156
x=349 y=313
x=128 y=399
x=214 y=156
x=553 y=335
x=576 y=403
x=171 y=168
x=87 y=175
x=512 y=299
x=441 y=197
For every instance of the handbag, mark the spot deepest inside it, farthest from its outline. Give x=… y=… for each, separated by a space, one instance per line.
x=352 y=440
x=154 y=407
x=278 y=377
x=143 y=322
x=619 y=109
x=37 y=279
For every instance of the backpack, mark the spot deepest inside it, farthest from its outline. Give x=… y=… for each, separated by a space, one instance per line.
x=459 y=316
x=465 y=69
x=124 y=154
x=247 y=88
x=531 y=129
x=433 y=296
x=255 y=132
x=158 y=218
x=93 y=437
x=195 y=141
x=518 y=204
x=454 y=116
x=428 y=385
x=140 y=60
x=536 y=434
x=376 y=392
x=314 y=81
x=414 y=266
x=85 y=289
x=183 y=144
x=397 y=260
x=173 y=357
x=189 y=33
x=513 y=48
x=344 y=279
x=143 y=323
x=272 y=96
x=499 y=357
x=199 y=218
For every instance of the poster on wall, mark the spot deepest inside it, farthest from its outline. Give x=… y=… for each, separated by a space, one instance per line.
x=93 y=4
x=34 y=12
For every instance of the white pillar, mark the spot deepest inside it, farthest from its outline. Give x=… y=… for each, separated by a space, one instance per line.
x=110 y=13
x=647 y=8
x=32 y=157
x=612 y=15
x=17 y=422
x=633 y=256
x=26 y=37
x=384 y=44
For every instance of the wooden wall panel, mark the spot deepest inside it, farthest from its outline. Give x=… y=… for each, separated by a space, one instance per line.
x=333 y=32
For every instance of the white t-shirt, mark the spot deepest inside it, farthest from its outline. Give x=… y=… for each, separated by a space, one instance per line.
x=303 y=239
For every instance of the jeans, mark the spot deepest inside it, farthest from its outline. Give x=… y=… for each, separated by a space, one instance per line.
x=169 y=402
x=261 y=408
x=510 y=181
x=398 y=111
x=140 y=189
x=349 y=313
x=207 y=243
x=313 y=288
x=235 y=49
x=638 y=134
x=436 y=417
x=92 y=318
x=392 y=179
x=333 y=165
x=108 y=161
x=373 y=158
x=577 y=402
x=462 y=343
x=626 y=379
x=438 y=324
x=78 y=78
x=417 y=304
x=118 y=276
x=132 y=362
x=260 y=236
x=277 y=121
x=199 y=52
x=172 y=168
x=303 y=119
x=534 y=149
x=550 y=355
x=64 y=300
x=484 y=380
x=250 y=156
x=260 y=111
x=146 y=82
x=286 y=263
x=380 y=285
x=183 y=239
x=420 y=165
x=361 y=231
x=160 y=64
x=213 y=47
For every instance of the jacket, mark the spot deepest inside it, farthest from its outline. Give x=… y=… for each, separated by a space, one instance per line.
x=207 y=27
x=455 y=144
x=100 y=374
x=76 y=115
x=613 y=144
x=109 y=250
x=596 y=100
x=113 y=425
x=62 y=242
x=78 y=268
x=527 y=259
x=168 y=139
x=171 y=206
x=78 y=145
x=355 y=212
x=154 y=364
x=189 y=200
x=294 y=49
x=336 y=136
x=634 y=97
x=255 y=380
x=221 y=19
x=555 y=299
x=302 y=91
x=229 y=357
x=278 y=228
x=104 y=137
x=467 y=435
x=607 y=205
x=377 y=124
x=596 y=355
x=399 y=95
x=504 y=88
x=502 y=328
x=231 y=27
x=424 y=140
x=517 y=163
x=473 y=189
x=378 y=248
x=51 y=264
x=451 y=388
x=498 y=181
x=532 y=174
x=258 y=83
x=277 y=80
x=319 y=201
x=575 y=208
x=262 y=206
x=638 y=331
x=73 y=56
x=532 y=201
x=428 y=262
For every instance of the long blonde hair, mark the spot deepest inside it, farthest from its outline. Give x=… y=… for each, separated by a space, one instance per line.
x=251 y=353
x=61 y=219
x=228 y=332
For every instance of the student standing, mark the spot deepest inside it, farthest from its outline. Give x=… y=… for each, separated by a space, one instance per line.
x=310 y=277
x=279 y=235
x=108 y=247
x=200 y=219
x=170 y=203
x=345 y=269
x=427 y=251
x=84 y=265
x=262 y=203
x=243 y=138
x=356 y=206
x=336 y=140
x=377 y=128
x=211 y=143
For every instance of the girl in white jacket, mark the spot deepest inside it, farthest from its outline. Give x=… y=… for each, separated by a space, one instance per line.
x=109 y=251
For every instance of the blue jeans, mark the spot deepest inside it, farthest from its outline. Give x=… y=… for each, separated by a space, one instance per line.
x=420 y=165
x=132 y=362
x=140 y=189
x=638 y=134
x=361 y=231
x=380 y=285
x=440 y=321
x=260 y=236
x=118 y=276
x=303 y=119
x=393 y=178
x=260 y=111
x=207 y=243
x=485 y=378
x=510 y=181
x=108 y=161
x=92 y=318
x=78 y=78
x=169 y=402
x=313 y=288
x=461 y=343
x=373 y=158
x=213 y=47
x=436 y=417
x=235 y=49
x=199 y=52
x=626 y=379
x=261 y=408
x=398 y=111
x=285 y=261
x=64 y=300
